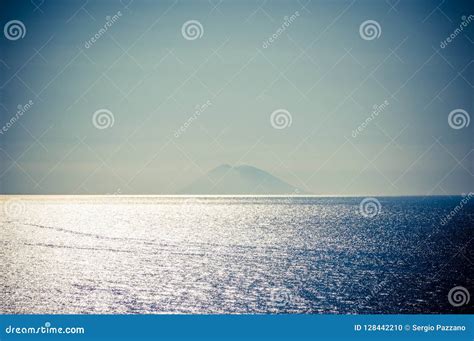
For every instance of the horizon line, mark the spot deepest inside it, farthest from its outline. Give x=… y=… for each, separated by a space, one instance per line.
x=239 y=195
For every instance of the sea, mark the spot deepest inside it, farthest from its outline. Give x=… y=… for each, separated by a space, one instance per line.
x=236 y=255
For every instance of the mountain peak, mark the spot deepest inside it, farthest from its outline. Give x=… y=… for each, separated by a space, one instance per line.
x=239 y=180
x=246 y=167
x=223 y=166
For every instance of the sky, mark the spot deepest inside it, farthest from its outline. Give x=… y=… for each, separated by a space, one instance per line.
x=144 y=97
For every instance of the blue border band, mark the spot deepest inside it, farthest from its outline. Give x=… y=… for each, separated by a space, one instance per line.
x=237 y=327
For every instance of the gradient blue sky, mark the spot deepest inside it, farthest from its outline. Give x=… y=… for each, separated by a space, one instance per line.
x=319 y=69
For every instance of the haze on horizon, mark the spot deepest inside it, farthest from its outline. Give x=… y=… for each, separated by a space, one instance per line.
x=153 y=80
